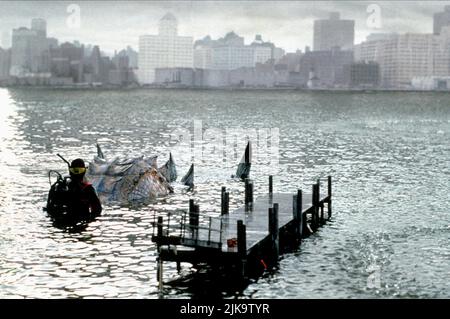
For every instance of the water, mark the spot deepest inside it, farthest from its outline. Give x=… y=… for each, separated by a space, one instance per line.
x=389 y=155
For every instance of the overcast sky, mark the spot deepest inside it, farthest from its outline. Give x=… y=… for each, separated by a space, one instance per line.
x=289 y=24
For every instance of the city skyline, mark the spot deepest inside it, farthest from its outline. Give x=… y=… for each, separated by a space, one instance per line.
x=275 y=21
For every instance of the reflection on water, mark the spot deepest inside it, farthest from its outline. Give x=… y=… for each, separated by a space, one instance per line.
x=389 y=154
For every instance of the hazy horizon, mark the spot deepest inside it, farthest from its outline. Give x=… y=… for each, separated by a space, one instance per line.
x=289 y=24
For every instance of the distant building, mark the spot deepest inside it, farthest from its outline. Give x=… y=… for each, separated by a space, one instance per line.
x=327 y=66
x=428 y=83
x=362 y=74
x=262 y=75
x=334 y=32
x=40 y=27
x=230 y=52
x=67 y=61
x=403 y=57
x=5 y=61
x=165 y=50
x=441 y=19
x=30 y=54
x=291 y=60
x=175 y=77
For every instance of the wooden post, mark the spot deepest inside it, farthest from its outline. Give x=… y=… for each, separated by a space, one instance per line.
x=194 y=212
x=318 y=190
x=241 y=238
x=209 y=231
x=242 y=247
x=246 y=194
x=299 y=215
x=314 y=219
x=295 y=210
x=250 y=195
x=329 y=197
x=159 y=272
x=160 y=227
x=191 y=205
x=196 y=220
x=270 y=184
x=319 y=205
x=227 y=202
x=273 y=230
x=222 y=198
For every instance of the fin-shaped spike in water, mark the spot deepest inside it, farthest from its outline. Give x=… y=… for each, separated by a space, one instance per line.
x=188 y=179
x=243 y=170
x=169 y=170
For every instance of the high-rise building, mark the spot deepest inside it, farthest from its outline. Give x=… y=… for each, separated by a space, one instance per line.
x=334 y=32
x=403 y=57
x=40 y=26
x=441 y=19
x=165 y=50
x=30 y=50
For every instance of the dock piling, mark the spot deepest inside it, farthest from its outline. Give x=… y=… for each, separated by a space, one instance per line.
x=222 y=200
x=270 y=184
x=274 y=230
x=329 y=197
x=315 y=211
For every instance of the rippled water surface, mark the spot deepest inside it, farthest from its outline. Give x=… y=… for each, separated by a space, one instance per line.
x=389 y=155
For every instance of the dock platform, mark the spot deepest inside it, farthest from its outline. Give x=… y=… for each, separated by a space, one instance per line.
x=248 y=240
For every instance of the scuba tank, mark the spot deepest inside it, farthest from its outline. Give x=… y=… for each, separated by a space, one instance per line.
x=58 y=196
x=58 y=200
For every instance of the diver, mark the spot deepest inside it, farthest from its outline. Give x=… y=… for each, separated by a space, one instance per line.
x=83 y=199
x=78 y=199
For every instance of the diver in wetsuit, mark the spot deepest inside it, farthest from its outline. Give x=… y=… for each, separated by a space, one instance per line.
x=82 y=199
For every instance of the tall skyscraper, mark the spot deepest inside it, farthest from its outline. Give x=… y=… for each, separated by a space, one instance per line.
x=334 y=32
x=165 y=50
x=30 y=50
x=40 y=26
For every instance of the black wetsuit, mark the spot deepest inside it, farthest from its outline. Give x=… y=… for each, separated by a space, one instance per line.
x=83 y=200
x=74 y=201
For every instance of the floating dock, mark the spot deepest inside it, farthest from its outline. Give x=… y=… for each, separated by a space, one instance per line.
x=247 y=241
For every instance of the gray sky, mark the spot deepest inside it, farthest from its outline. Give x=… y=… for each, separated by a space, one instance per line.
x=116 y=24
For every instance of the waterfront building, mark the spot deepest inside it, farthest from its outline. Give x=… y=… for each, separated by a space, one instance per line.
x=230 y=52
x=333 y=32
x=428 y=83
x=291 y=60
x=328 y=67
x=165 y=50
x=403 y=57
x=362 y=74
